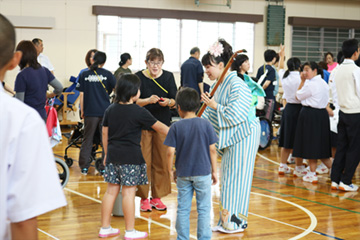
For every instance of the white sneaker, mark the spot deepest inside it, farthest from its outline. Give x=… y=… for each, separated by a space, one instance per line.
x=348 y=188
x=322 y=169
x=291 y=159
x=310 y=178
x=108 y=232
x=305 y=162
x=283 y=170
x=135 y=235
x=334 y=186
x=223 y=230
x=300 y=173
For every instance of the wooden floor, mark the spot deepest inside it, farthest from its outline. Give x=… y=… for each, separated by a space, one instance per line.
x=281 y=207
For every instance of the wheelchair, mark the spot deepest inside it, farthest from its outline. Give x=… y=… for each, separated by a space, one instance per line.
x=266 y=126
x=63 y=171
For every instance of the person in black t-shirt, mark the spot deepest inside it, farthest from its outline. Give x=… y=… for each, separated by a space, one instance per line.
x=124 y=163
x=268 y=81
x=158 y=91
x=95 y=86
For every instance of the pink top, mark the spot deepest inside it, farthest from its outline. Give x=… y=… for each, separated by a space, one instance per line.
x=332 y=66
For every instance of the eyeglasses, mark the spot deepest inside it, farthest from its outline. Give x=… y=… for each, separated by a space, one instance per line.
x=153 y=64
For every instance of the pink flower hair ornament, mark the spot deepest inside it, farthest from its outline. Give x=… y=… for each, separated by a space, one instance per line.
x=216 y=49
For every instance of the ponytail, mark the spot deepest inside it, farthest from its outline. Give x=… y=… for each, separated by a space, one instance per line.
x=99 y=59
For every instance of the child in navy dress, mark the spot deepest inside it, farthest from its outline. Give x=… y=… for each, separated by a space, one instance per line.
x=124 y=163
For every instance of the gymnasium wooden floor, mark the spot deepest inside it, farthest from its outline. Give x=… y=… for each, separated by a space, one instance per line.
x=281 y=207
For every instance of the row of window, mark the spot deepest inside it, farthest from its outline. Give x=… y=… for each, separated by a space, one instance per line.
x=310 y=44
x=175 y=38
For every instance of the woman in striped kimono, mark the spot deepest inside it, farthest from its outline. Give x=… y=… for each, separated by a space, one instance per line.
x=230 y=114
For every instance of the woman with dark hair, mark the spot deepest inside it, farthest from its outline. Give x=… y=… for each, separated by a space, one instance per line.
x=95 y=86
x=312 y=137
x=290 y=80
x=241 y=65
x=158 y=90
x=329 y=59
x=239 y=135
x=32 y=82
x=125 y=62
x=88 y=60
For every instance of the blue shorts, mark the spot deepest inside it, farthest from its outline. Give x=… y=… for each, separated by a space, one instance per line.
x=126 y=174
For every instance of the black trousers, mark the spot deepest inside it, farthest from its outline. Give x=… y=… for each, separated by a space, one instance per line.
x=348 y=148
x=91 y=124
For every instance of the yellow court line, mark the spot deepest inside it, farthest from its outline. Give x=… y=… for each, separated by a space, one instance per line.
x=143 y=218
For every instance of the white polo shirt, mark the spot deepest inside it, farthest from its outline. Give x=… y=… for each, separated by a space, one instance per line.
x=290 y=85
x=29 y=182
x=314 y=93
x=45 y=62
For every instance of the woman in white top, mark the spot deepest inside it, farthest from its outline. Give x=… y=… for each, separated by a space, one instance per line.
x=290 y=80
x=312 y=138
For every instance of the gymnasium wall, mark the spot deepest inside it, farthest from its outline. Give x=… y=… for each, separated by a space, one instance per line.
x=74 y=31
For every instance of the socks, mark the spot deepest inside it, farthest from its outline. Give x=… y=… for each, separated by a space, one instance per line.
x=283 y=165
x=300 y=168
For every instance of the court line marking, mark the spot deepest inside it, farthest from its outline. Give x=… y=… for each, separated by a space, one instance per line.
x=143 y=218
x=311 y=215
x=313 y=219
x=48 y=234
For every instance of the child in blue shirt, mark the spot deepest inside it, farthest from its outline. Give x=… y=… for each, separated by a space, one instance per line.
x=194 y=140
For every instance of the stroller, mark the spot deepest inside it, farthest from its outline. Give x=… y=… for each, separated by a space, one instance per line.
x=75 y=139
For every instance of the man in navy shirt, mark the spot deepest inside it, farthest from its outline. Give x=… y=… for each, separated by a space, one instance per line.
x=192 y=72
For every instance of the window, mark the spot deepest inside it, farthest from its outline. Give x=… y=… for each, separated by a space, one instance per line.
x=174 y=37
x=310 y=44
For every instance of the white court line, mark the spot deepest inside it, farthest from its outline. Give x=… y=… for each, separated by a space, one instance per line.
x=143 y=218
x=311 y=215
x=48 y=234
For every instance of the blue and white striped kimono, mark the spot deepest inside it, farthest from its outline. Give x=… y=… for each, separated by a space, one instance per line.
x=238 y=144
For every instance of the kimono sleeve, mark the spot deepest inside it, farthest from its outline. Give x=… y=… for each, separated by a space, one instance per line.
x=237 y=108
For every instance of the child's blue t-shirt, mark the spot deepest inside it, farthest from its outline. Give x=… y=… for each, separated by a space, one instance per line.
x=192 y=139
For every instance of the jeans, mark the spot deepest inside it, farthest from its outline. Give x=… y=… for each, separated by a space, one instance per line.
x=186 y=187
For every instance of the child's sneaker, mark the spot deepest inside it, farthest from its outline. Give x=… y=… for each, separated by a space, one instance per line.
x=84 y=171
x=334 y=186
x=322 y=169
x=145 y=205
x=348 y=188
x=157 y=204
x=135 y=234
x=300 y=173
x=108 y=232
x=310 y=178
x=283 y=170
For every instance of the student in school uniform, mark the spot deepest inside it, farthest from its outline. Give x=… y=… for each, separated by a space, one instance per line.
x=312 y=138
x=347 y=81
x=290 y=80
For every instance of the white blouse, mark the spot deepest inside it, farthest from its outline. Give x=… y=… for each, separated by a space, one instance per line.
x=290 y=85
x=314 y=93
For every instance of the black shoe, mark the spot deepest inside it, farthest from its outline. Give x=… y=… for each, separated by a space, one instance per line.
x=84 y=171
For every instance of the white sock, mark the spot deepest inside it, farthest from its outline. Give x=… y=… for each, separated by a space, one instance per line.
x=283 y=165
x=312 y=173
